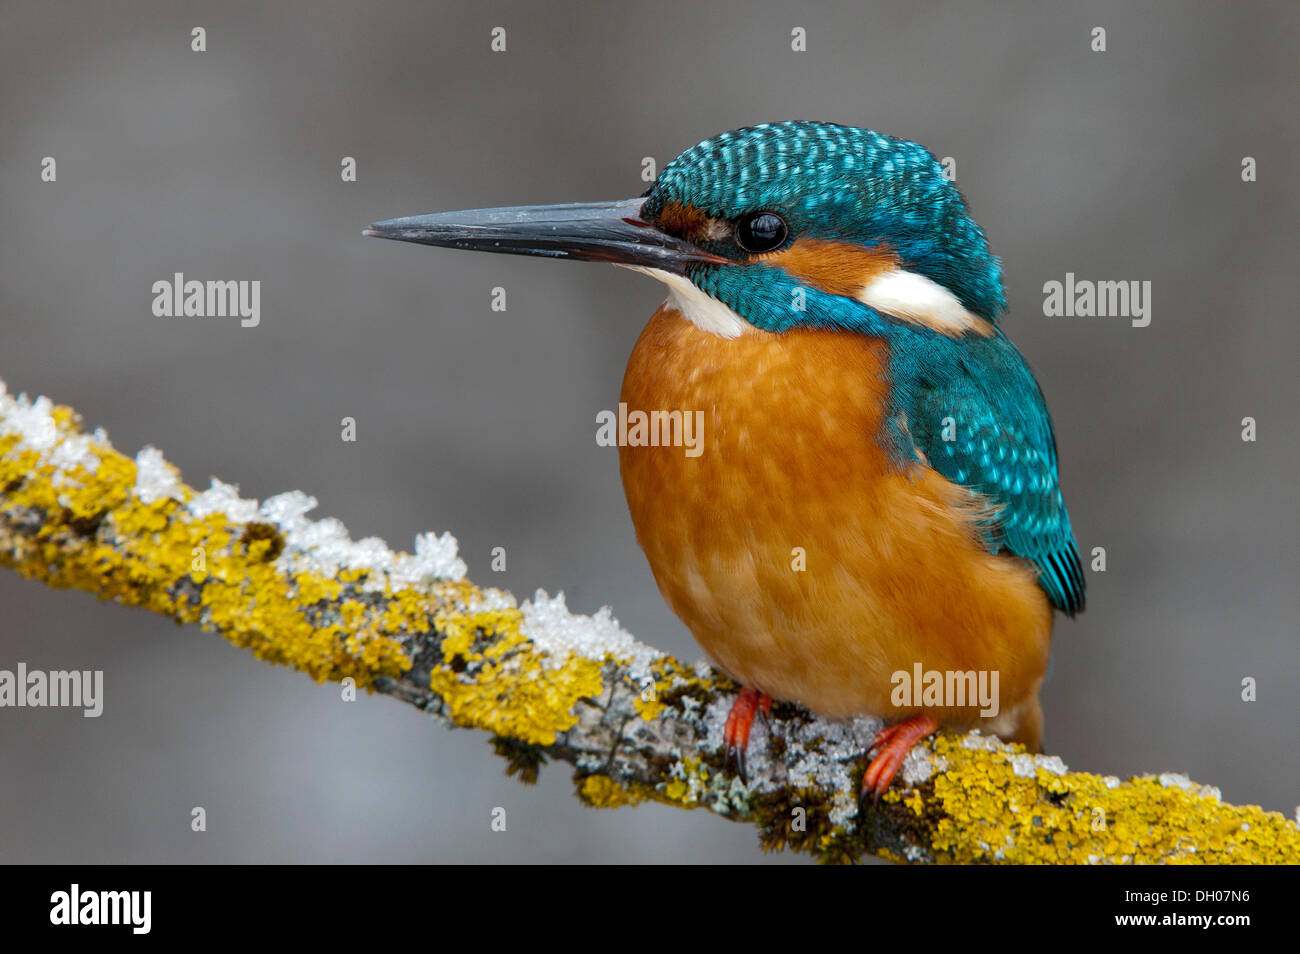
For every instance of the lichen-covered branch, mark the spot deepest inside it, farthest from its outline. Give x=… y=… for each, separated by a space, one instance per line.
x=549 y=685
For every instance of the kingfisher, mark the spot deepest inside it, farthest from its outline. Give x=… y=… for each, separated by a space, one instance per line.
x=877 y=495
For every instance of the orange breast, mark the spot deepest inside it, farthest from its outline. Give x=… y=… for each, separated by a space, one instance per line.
x=803 y=560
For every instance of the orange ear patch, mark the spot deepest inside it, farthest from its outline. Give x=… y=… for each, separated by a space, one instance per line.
x=836 y=267
x=874 y=276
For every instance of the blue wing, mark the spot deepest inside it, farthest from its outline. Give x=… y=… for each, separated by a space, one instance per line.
x=986 y=427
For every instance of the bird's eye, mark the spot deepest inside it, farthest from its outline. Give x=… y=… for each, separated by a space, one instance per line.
x=761 y=232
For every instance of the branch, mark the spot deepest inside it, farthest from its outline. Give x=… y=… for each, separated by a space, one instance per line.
x=636 y=724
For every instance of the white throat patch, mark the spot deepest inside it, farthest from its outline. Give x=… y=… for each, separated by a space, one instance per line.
x=707 y=314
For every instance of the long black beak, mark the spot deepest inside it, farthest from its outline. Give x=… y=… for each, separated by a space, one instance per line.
x=585 y=231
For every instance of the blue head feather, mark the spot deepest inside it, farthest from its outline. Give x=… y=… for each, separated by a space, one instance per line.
x=840 y=182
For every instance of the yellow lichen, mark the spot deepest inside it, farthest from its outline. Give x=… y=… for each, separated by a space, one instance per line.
x=159 y=545
x=689 y=783
x=991 y=813
x=241 y=594
x=599 y=791
x=648 y=705
x=503 y=688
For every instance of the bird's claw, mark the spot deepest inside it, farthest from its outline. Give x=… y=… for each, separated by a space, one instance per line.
x=735 y=760
x=893 y=742
x=735 y=734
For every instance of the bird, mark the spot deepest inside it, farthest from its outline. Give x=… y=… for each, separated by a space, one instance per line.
x=876 y=501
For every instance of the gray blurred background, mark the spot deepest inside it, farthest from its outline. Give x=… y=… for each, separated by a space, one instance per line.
x=225 y=164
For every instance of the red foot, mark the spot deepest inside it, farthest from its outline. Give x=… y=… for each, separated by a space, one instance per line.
x=894 y=742
x=735 y=734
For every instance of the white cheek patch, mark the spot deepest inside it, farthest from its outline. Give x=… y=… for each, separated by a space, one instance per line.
x=707 y=314
x=916 y=298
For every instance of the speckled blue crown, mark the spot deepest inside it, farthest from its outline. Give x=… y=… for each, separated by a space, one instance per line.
x=841 y=182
